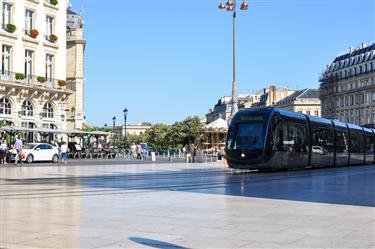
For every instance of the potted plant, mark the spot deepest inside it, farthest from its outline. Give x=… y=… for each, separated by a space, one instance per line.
x=34 y=33
x=20 y=76
x=41 y=79
x=53 y=38
x=54 y=2
x=62 y=83
x=11 y=27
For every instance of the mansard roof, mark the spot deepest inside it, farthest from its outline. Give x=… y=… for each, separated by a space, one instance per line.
x=300 y=94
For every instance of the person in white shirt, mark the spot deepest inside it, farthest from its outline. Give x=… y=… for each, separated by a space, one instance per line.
x=3 y=152
x=64 y=153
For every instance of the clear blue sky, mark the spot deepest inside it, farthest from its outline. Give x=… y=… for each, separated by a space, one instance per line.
x=165 y=60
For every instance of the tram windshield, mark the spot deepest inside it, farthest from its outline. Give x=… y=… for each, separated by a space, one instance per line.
x=248 y=134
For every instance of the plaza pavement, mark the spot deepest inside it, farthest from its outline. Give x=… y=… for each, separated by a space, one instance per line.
x=183 y=205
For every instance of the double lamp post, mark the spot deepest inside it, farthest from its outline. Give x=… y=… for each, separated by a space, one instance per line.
x=125 y=112
x=231 y=6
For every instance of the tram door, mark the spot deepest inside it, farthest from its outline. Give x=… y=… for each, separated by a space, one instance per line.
x=295 y=143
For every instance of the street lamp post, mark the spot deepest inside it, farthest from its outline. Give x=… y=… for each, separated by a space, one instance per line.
x=231 y=6
x=114 y=131
x=125 y=111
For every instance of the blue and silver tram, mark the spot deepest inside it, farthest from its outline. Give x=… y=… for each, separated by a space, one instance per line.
x=271 y=138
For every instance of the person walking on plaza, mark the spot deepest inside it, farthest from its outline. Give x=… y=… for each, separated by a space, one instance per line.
x=3 y=151
x=192 y=152
x=18 y=145
x=64 y=153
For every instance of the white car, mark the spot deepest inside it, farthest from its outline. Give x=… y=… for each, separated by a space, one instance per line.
x=39 y=152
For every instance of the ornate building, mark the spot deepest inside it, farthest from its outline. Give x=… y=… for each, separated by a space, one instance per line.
x=347 y=88
x=34 y=89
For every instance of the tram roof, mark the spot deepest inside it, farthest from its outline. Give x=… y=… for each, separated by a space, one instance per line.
x=46 y=130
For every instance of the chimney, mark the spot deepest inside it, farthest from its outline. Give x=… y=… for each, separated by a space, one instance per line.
x=351 y=49
x=363 y=45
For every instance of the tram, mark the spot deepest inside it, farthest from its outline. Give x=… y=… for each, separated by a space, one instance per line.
x=272 y=138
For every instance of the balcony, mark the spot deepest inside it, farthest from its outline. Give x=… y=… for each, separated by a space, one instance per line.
x=29 y=81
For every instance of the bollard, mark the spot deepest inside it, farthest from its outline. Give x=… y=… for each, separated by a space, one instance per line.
x=153 y=158
x=170 y=159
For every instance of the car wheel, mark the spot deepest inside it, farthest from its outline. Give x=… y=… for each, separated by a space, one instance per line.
x=29 y=158
x=55 y=158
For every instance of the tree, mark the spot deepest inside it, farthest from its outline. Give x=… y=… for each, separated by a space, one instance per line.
x=158 y=136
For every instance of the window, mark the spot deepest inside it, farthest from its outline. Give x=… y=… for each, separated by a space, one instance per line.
x=7 y=16
x=322 y=139
x=29 y=65
x=308 y=112
x=342 y=141
x=27 y=108
x=317 y=113
x=5 y=61
x=49 y=27
x=295 y=139
x=5 y=106
x=49 y=67
x=28 y=21
x=47 y=110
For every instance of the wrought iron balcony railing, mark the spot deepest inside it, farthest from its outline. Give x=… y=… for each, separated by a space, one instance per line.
x=28 y=80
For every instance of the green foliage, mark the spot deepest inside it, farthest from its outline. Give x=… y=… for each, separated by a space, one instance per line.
x=20 y=76
x=54 y=2
x=158 y=136
x=53 y=38
x=41 y=79
x=11 y=27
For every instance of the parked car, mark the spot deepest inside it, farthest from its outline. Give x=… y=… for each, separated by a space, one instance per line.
x=38 y=152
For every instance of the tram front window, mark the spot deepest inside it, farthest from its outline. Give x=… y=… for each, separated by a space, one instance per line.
x=248 y=136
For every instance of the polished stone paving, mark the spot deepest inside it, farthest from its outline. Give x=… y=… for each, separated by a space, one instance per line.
x=185 y=206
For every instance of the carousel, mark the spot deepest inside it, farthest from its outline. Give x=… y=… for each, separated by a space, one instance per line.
x=214 y=135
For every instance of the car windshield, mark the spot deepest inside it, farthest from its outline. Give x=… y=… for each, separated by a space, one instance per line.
x=29 y=146
x=247 y=135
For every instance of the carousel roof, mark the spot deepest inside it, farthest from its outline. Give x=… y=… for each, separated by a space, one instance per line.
x=218 y=124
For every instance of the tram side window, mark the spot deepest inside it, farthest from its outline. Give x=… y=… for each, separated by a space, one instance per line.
x=277 y=135
x=341 y=141
x=230 y=137
x=295 y=139
x=355 y=142
x=322 y=139
x=369 y=144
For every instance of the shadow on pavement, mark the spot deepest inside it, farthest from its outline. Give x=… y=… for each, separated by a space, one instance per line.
x=155 y=243
x=346 y=185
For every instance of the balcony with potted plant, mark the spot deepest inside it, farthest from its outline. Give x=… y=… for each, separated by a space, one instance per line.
x=51 y=41
x=8 y=30
x=31 y=36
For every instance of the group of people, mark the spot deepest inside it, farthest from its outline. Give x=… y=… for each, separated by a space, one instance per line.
x=136 y=151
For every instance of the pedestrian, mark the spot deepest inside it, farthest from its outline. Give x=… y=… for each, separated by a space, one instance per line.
x=64 y=153
x=3 y=151
x=139 y=152
x=18 y=145
x=192 y=151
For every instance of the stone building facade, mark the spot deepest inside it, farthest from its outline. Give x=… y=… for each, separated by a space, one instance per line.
x=304 y=101
x=37 y=89
x=267 y=97
x=75 y=75
x=347 y=88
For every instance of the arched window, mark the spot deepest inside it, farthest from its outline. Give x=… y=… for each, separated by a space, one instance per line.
x=27 y=109
x=5 y=106
x=47 y=110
